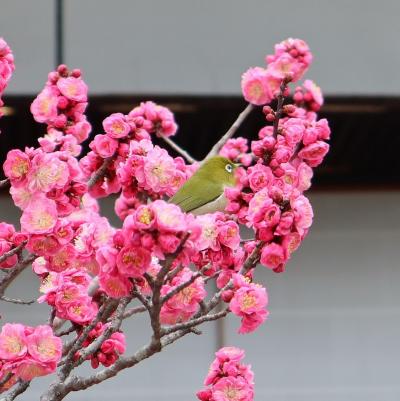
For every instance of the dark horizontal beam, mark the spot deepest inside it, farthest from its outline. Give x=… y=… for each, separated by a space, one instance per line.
x=364 y=145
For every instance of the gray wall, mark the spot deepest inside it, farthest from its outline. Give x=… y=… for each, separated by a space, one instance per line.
x=203 y=46
x=333 y=332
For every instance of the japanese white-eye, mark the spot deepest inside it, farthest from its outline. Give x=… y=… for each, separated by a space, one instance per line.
x=203 y=192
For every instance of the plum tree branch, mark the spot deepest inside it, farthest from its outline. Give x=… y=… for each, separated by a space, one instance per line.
x=12 y=251
x=231 y=131
x=100 y=173
x=14 y=272
x=178 y=149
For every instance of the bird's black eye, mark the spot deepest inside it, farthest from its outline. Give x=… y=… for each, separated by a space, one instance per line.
x=229 y=168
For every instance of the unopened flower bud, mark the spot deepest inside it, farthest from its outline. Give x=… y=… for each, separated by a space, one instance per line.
x=289 y=108
x=267 y=110
x=62 y=69
x=270 y=117
x=76 y=73
x=227 y=295
x=62 y=102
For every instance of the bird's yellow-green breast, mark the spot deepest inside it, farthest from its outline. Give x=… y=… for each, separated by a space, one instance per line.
x=204 y=191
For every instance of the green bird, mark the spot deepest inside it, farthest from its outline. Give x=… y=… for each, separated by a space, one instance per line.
x=204 y=191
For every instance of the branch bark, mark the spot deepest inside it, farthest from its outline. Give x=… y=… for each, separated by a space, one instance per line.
x=100 y=173
x=231 y=131
x=178 y=149
x=13 y=273
x=13 y=251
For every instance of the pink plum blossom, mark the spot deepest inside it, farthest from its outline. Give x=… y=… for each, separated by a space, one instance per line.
x=255 y=86
x=73 y=88
x=116 y=126
x=16 y=166
x=40 y=216
x=29 y=368
x=13 y=342
x=44 y=107
x=249 y=302
x=43 y=345
x=47 y=172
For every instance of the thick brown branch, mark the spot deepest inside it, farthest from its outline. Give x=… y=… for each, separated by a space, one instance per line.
x=156 y=298
x=81 y=383
x=13 y=273
x=16 y=300
x=231 y=131
x=15 y=391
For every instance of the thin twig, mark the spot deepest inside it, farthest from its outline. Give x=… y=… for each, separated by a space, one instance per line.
x=114 y=326
x=231 y=131
x=13 y=251
x=133 y=311
x=179 y=288
x=98 y=174
x=195 y=322
x=105 y=311
x=174 y=272
x=279 y=107
x=138 y=294
x=66 y=331
x=182 y=286
x=13 y=273
x=4 y=183
x=178 y=149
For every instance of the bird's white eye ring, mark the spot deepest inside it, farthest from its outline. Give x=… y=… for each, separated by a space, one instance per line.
x=228 y=168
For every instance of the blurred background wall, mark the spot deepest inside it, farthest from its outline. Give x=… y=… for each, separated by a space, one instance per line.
x=334 y=324
x=203 y=46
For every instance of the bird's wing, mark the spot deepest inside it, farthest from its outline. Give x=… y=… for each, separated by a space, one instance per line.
x=187 y=199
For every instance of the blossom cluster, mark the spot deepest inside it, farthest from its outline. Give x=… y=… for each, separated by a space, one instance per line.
x=120 y=131
x=228 y=379
x=218 y=246
x=183 y=305
x=109 y=350
x=290 y=61
x=62 y=227
x=151 y=170
x=7 y=67
x=236 y=149
x=44 y=185
x=249 y=301
x=9 y=239
x=61 y=106
x=67 y=293
x=308 y=96
x=269 y=196
x=27 y=352
x=156 y=229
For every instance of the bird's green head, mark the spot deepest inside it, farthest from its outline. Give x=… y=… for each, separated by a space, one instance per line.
x=220 y=169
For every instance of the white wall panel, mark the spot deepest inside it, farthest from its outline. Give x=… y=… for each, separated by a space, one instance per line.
x=333 y=330
x=28 y=27
x=203 y=46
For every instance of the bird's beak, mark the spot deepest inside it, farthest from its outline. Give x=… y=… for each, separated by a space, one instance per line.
x=238 y=164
